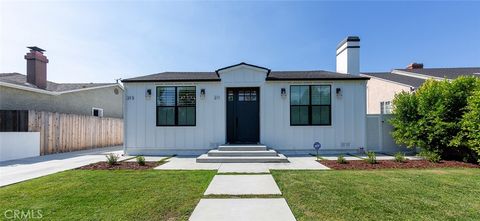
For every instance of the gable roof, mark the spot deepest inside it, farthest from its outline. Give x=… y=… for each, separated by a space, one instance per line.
x=245 y=64
x=21 y=80
x=271 y=75
x=448 y=73
x=416 y=77
x=397 y=78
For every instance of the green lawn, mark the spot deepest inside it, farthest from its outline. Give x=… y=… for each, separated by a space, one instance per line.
x=109 y=195
x=437 y=194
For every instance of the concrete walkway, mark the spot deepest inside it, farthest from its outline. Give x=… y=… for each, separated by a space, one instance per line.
x=274 y=209
x=189 y=163
x=241 y=185
x=15 y=171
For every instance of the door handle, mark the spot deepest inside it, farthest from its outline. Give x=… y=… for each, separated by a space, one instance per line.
x=236 y=122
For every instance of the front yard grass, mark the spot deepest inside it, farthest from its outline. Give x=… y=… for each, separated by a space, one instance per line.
x=412 y=194
x=109 y=195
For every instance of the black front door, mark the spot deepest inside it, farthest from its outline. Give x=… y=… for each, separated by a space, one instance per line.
x=243 y=124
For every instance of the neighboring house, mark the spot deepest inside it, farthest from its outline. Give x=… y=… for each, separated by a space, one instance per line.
x=382 y=87
x=34 y=92
x=192 y=112
x=39 y=117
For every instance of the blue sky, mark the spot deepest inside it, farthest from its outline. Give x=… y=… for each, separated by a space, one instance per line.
x=100 y=41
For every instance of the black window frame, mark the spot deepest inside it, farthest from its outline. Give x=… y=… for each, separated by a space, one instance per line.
x=176 y=106
x=310 y=105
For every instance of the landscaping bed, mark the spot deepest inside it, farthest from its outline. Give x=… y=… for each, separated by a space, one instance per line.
x=390 y=164
x=121 y=166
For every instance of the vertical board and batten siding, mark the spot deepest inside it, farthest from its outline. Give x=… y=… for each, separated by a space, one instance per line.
x=69 y=132
x=142 y=136
x=348 y=118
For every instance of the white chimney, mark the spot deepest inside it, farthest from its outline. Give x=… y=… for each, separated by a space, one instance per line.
x=348 y=56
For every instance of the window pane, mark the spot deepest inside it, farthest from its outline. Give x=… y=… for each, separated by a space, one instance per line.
x=241 y=95
x=186 y=115
x=166 y=116
x=230 y=95
x=321 y=115
x=299 y=115
x=321 y=95
x=254 y=95
x=299 y=95
x=165 y=96
x=186 y=96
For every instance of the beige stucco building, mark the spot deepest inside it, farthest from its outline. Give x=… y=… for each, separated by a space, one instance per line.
x=382 y=86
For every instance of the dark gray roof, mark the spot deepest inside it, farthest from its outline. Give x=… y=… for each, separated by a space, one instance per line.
x=273 y=75
x=312 y=75
x=402 y=79
x=176 y=76
x=449 y=73
x=21 y=80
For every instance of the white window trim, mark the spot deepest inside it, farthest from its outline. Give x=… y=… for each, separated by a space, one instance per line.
x=100 y=111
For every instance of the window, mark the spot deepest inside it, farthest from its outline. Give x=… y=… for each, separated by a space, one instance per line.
x=386 y=107
x=13 y=120
x=310 y=105
x=176 y=106
x=247 y=95
x=97 y=112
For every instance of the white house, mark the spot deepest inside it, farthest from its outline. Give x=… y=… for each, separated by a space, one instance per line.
x=249 y=111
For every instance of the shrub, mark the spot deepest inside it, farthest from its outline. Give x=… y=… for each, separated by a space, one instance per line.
x=432 y=117
x=430 y=156
x=470 y=135
x=371 y=157
x=112 y=159
x=141 y=160
x=341 y=159
x=400 y=157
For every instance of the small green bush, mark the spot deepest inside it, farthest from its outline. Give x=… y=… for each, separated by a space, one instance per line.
x=341 y=159
x=371 y=157
x=112 y=159
x=141 y=160
x=430 y=156
x=400 y=157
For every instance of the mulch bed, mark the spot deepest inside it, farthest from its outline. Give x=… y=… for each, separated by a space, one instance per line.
x=390 y=164
x=120 y=166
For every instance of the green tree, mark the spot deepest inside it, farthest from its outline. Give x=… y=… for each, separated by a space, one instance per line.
x=470 y=123
x=431 y=117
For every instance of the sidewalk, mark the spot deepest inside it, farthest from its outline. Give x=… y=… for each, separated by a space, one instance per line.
x=15 y=171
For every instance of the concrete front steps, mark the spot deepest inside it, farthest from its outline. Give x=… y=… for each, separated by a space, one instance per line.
x=242 y=154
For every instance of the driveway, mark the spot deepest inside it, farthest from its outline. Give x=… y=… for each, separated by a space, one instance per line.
x=15 y=171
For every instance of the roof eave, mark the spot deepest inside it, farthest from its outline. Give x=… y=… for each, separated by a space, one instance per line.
x=317 y=79
x=240 y=64
x=171 y=80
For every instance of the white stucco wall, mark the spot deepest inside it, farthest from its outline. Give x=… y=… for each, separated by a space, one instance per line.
x=144 y=137
x=17 y=145
x=381 y=90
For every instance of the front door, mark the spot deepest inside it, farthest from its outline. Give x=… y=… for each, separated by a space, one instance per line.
x=243 y=124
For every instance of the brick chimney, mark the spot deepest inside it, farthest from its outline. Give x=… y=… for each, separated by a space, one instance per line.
x=415 y=66
x=36 y=67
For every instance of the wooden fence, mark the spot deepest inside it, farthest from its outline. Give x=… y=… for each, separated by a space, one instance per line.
x=69 y=132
